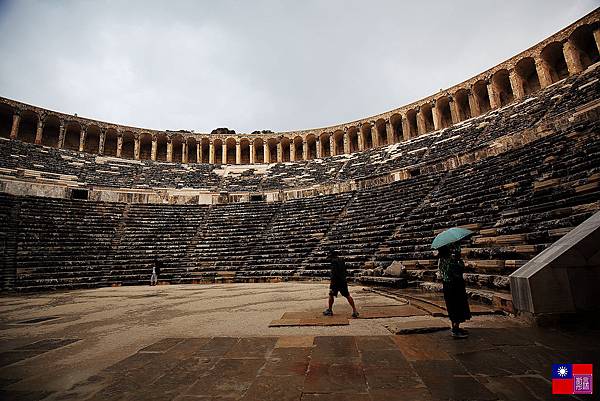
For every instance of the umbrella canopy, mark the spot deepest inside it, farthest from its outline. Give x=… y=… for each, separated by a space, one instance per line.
x=449 y=236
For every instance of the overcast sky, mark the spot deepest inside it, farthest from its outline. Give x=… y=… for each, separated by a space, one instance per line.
x=252 y=65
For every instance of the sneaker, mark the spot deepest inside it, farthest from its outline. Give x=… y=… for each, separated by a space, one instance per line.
x=355 y=315
x=459 y=334
x=328 y=312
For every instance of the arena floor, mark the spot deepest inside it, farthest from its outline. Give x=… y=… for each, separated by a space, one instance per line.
x=213 y=342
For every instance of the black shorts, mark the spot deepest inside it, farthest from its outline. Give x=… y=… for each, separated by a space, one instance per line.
x=342 y=288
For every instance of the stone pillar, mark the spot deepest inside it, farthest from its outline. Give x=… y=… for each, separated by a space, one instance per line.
x=224 y=152
x=318 y=142
x=597 y=38
x=199 y=152
x=238 y=152
x=61 y=136
x=82 y=135
x=405 y=127
x=473 y=104
x=304 y=150
x=292 y=151
x=493 y=95
x=279 y=152
x=136 y=147
x=374 y=136
x=169 y=150
x=331 y=145
x=389 y=131
x=543 y=72
x=453 y=110
x=572 y=58
x=211 y=152
x=266 y=153
x=361 y=141
x=14 y=129
x=252 y=158
x=101 y=141
x=516 y=84
x=346 y=143
x=154 y=148
x=38 y=131
x=421 y=126
x=437 y=117
x=184 y=153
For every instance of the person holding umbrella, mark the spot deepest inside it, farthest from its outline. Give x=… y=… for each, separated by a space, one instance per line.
x=451 y=268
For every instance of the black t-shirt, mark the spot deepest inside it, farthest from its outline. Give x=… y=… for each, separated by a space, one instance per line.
x=338 y=271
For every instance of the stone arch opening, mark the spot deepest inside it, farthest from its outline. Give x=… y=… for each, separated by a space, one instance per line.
x=311 y=147
x=259 y=150
x=51 y=131
x=218 y=148
x=482 y=97
x=92 y=139
x=110 y=142
x=6 y=120
x=177 y=148
x=413 y=127
x=554 y=58
x=285 y=149
x=502 y=88
x=298 y=148
x=461 y=98
x=272 y=145
x=338 y=143
x=427 y=113
x=365 y=131
x=353 y=139
x=28 y=126
x=583 y=40
x=205 y=144
x=230 y=151
x=380 y=132
x=527 y=73
x=442 y=106
x=72 y=135
x=192 y=150
x=324 y=141
x=128 y=145
x=145 y=146
x=161 y=147
x=245 y=151
x=396 y=122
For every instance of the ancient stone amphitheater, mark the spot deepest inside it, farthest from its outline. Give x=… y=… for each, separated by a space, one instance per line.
x=512 y=153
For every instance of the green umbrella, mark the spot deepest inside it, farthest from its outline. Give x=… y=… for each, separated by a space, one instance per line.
x=449 y=236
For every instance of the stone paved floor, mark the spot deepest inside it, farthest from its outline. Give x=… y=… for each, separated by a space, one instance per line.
x=214 y=343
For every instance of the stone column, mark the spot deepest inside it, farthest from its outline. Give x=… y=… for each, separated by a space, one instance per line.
x=389 y=131
x=473 y=104
x=516 y=84
x=453 y=110
x=331 y=145
x=493 y=95
x=61 y=136
x=361 y=141
x=543 y=72
x=199 y=152
x=597 y=38
x=184 y=153
x=252 y=157
x=318 y=142
x=101 y=141
x=224 y=152
x=266 y=153
x=154 y=148
x=304 y=150
x=421 y=126
x=136 y=147
x=346 y=143
x=211 y=152
x=437 y=117
x=405 y=127
x=572 y=58
x=374 y=136
x=279 y=152
x=238 y=152
x=292 y=151
x=14 y=129
x=82 y=135
x=169 y=150
x=38 y=131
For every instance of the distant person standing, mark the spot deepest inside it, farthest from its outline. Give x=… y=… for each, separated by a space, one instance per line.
x=155 y=271
x=338 y=283
x=451 y=269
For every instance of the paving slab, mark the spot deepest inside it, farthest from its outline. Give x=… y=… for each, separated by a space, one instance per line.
x=341 y=347
x=295 y=342
x=253 y=347
x=374 y=343
x=417 y=326
x=492 y=362
x=163 y=345
x=337 y=397
x=420 y=348
x=286 y=362
x=390 y=311
x=275 y=388
x=335 y=377
x=228 y=378
x=325 y=321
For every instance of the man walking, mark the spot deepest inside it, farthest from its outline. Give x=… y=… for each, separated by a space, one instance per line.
x=338 y=283
x=155 y=272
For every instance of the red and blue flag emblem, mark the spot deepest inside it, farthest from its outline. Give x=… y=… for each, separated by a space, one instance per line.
x=568 y=378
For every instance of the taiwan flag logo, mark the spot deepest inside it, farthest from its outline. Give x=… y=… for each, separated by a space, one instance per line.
x=570 y=378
